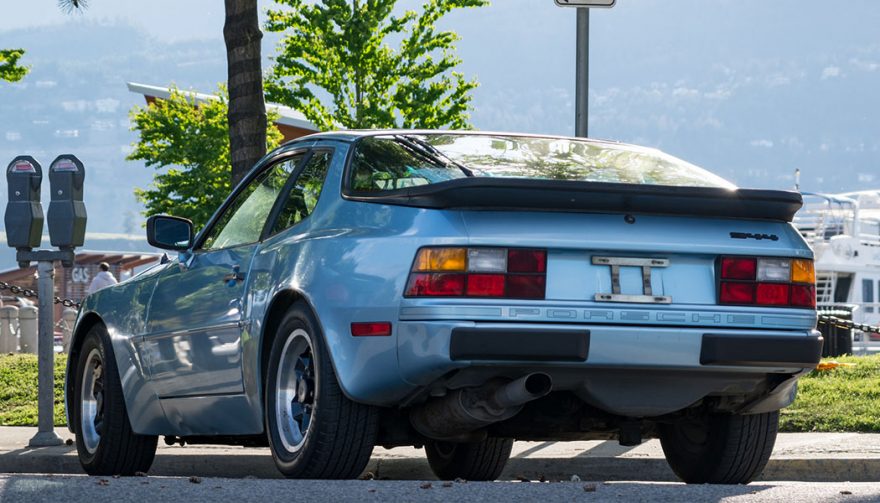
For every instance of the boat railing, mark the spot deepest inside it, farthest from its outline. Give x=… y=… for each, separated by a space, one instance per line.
x=824 y=217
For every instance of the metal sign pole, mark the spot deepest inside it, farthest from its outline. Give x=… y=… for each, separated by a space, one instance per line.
x=46 y=360
x=582 y=73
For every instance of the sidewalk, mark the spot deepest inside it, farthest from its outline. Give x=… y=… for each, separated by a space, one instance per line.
x=809 y=457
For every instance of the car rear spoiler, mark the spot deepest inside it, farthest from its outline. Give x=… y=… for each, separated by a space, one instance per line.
x=484 y=193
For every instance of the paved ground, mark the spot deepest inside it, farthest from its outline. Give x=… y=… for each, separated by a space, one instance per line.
x=39 y=489
x=806 y=457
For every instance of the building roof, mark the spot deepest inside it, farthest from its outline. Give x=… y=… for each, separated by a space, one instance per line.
x=125 y=261
x=287 y=115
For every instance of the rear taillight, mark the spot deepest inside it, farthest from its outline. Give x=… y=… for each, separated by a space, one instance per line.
x=478 y=272
x=767 y=281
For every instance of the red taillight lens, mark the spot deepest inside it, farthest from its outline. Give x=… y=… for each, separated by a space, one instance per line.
x=767 y=281
x=478 y=272
x=772 y=294
x=485 y=285
x=737 y=293
x=435 y=285
x=803 y=295
x=371 y=329
x=526 y=286
x=739 y=268
x=526 y=261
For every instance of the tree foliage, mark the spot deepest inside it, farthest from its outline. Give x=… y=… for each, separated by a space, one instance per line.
x=10 y=70
x=188 y=143
x=340 y=49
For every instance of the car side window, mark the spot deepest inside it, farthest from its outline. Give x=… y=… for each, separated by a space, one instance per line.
x=302 y=195
x=244 y=219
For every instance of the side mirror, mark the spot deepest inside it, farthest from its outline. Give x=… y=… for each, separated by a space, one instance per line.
x=169 y=233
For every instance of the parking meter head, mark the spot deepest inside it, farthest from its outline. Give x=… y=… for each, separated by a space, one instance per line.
x=67 y=212
x=169 y=233
x=24 y=213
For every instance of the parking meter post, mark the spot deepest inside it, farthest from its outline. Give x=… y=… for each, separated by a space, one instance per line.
x=46 y=358
x=24 y=228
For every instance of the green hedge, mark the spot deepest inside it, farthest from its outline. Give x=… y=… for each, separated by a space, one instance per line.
x=18 y=390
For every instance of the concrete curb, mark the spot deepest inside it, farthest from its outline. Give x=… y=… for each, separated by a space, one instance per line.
x=257 y=463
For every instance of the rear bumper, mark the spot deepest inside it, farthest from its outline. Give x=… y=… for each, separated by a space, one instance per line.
x=761 y=351
x=515 y=344
x=635 y=371
x=549 y=345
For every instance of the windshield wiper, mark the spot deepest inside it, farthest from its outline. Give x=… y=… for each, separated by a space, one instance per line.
x=430 y=152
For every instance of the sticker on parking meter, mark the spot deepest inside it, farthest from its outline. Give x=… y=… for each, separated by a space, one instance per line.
x=23 y=167
x=64 y=165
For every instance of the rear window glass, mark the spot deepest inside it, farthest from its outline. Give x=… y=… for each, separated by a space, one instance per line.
x=391 y=162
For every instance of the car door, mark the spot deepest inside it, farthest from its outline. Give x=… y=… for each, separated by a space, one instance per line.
x=195 y=316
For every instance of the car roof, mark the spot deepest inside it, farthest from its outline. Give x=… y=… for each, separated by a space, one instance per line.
x=351 y=135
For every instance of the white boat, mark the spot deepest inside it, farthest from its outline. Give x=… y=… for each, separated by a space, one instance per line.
x=844 y=232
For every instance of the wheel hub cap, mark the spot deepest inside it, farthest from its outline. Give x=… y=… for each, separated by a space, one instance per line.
x=92 y=402
x=295 y=390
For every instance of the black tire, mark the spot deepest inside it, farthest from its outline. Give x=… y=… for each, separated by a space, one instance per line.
x=720 y=448
x=340 y=434
x=109 y=447
x=472 y=461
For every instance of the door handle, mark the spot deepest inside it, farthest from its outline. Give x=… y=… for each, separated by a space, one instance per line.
x=233 y=278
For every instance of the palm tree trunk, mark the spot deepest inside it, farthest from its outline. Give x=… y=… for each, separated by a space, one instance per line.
x=247 y=109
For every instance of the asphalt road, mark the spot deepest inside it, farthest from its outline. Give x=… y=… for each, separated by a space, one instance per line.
x=42 y=488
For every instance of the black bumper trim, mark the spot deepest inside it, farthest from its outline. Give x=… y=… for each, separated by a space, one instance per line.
x=761 y=351
x=519 y=344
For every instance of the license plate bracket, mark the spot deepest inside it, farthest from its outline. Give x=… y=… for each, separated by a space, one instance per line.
x=646 y=265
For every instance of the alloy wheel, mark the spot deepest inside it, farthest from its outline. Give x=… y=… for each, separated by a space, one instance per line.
x=295 y=390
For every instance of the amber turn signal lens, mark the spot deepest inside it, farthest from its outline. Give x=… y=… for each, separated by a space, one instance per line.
x=441 y=259
x=802 y=271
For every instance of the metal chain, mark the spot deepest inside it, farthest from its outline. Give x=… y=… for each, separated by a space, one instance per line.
x=848 y=324
x=30 y=292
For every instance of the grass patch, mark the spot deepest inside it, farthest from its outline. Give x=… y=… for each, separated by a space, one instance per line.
x=843 y=399
x=18 y=390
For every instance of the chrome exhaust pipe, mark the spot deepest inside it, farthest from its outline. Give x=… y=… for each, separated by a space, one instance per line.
x=466 y=410
x=523 y=390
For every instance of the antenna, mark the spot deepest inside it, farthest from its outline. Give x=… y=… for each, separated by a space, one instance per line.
x=797 y=179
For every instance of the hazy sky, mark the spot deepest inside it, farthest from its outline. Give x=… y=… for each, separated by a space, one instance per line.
x=738 y=86
x=191 y=19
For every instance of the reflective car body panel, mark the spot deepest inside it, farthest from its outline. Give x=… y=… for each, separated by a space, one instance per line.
x=189 y=335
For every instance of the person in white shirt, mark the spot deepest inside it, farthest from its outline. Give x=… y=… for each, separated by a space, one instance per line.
x=103 y=279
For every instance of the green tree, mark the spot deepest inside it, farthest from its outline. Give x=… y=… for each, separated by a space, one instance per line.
x=340 y=49
x=10 y=70
x=188 y=142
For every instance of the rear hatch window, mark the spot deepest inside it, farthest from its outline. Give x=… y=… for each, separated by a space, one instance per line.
x=399 y=161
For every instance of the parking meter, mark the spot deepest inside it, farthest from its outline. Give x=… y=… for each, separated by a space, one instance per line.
x=67 y=213
x=24 y=213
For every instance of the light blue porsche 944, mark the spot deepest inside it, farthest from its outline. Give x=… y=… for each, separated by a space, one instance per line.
x=457 y=291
